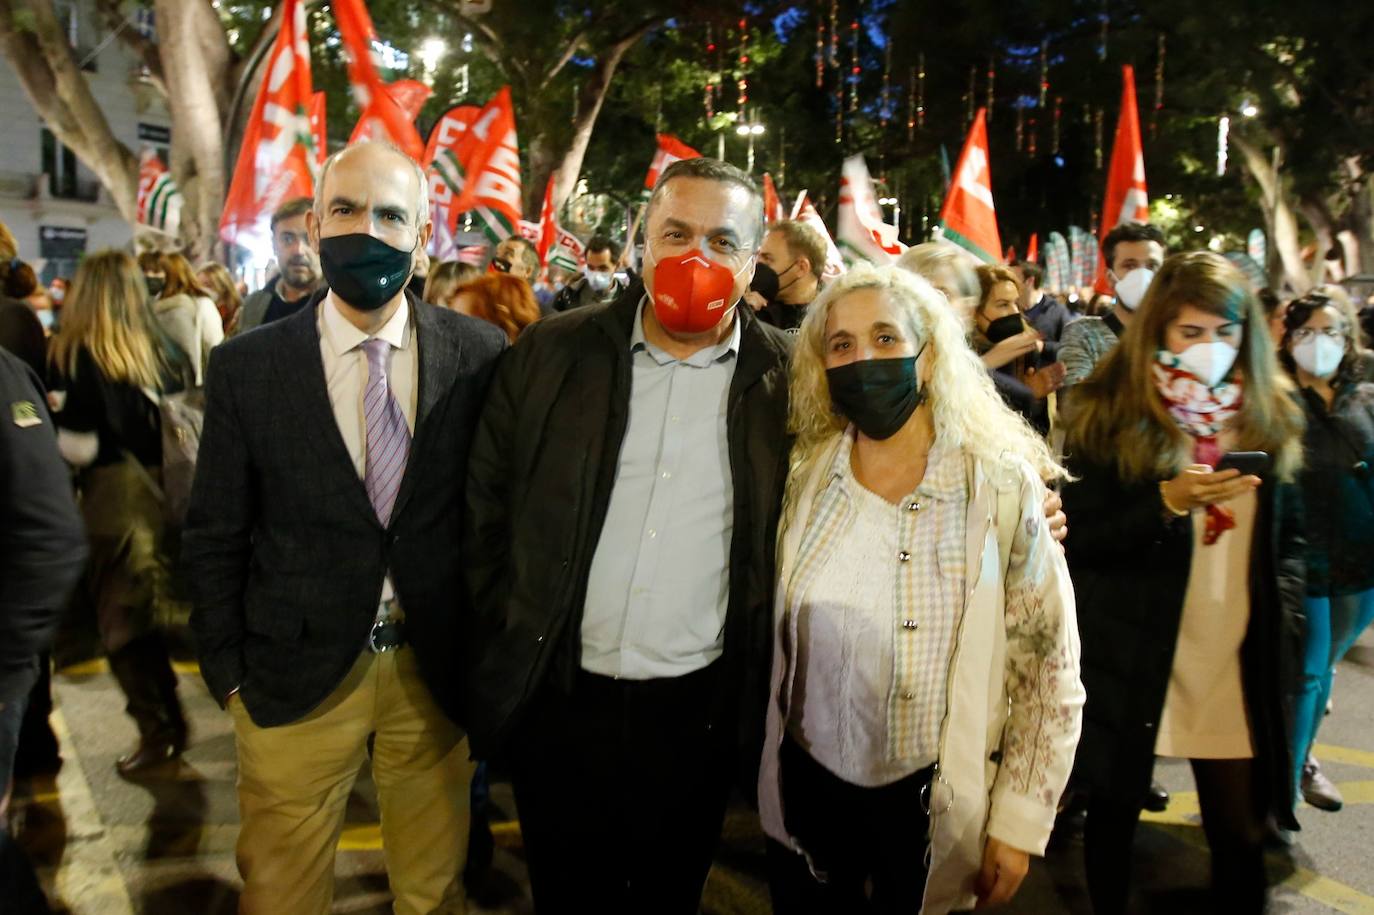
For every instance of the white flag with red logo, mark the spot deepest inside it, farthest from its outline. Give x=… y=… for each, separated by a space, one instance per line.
x=670 y=150
x=159 y=201
x=968 y=217
x=277 y=160
x=1125 y=199
x=861 y=226
x=382 y=113
x=473 y=164
x=804 y=212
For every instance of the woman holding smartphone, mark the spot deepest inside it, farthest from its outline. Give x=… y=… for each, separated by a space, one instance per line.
x=1189 y=576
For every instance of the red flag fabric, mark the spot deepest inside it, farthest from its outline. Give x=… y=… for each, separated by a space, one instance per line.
x=1125 y=199
x=410 y=95
x=968 y=217
x=473 y=163
x=317 y=128
x=277 y=159
x=381 y=111
x=670 y=149
x=548 y=225
x=772 y=206
x=1010 y=256
x=1033 y=249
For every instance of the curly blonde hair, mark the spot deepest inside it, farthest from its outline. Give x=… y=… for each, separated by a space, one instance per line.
x=968 y=412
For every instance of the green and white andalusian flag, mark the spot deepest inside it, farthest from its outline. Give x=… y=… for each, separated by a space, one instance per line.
x=159 y=201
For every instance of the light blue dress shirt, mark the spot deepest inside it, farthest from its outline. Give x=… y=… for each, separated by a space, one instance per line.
x=660 y=578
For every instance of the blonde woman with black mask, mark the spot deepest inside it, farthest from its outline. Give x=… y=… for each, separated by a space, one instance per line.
x=925 y=674
x=1187 y=559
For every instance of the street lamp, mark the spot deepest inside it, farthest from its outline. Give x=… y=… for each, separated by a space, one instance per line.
x=751 y=131
x=896 y=210
x=1249 y=109
x=431 y=50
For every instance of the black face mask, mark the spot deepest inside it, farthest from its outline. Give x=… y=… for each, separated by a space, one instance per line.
x=155 y=285
x=1004 y=328
x=877 y=395
x=765 y=282
x=364 y=271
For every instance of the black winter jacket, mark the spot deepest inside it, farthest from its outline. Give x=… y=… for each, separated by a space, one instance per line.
x=1130 y=571
x=1338 y=490
x=540 y=475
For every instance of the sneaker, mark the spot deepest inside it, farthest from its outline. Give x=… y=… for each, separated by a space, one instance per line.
x=1318 y=790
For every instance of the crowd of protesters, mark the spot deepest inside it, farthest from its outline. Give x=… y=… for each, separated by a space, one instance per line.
x=918 y=546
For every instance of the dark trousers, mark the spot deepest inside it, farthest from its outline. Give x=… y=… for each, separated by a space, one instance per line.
x=19 y=891
x=621 y=787
x=1232 y=819
x=867 y=845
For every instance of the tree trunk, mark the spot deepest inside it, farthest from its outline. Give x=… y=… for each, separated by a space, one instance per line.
x=1360 y=220
x=1323 y=223
x=1280 y=220
x=196 y=62
x=37 y=49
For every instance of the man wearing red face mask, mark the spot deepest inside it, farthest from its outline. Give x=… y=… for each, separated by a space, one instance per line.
x=623 y=496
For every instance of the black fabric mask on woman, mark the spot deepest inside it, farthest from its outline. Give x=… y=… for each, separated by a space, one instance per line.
x=877 y=395
x=364 y=271
x=1004 y=328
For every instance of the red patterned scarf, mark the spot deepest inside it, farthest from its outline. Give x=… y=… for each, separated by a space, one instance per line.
x=1202 y=412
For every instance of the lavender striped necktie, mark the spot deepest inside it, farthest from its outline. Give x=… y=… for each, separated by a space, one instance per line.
x=388 y=438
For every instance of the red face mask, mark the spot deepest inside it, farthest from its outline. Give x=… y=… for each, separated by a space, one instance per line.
x=691 y=292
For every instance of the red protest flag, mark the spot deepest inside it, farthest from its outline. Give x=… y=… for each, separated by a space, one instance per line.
x=670 y=149
x=1033 y=249
x=1125 y=199
x=968 y=217
x=317 y=127
x=410 y=95
x=473 y=160
x=369 y=91
x=278 y=158
x=772 y=206
x=548 y=225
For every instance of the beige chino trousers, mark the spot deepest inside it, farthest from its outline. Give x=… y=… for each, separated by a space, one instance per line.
x=294 y=782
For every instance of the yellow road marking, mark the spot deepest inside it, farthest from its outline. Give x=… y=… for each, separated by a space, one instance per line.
x=101 y=666
x=1351 y=757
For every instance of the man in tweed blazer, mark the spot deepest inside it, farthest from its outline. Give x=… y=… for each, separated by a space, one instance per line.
x=323 y=541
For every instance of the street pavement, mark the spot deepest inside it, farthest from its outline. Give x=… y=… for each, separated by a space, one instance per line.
x=105 y=846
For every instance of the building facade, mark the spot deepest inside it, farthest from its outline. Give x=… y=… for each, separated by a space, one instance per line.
x=54 y=205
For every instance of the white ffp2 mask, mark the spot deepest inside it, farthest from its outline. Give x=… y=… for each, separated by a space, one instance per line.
x=1209 y=363
x=1130 y=289
x=1320 y=356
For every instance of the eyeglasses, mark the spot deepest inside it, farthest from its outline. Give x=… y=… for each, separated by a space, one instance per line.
x=1303 y=334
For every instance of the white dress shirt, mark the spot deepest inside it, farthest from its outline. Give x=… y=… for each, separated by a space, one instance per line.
x=345 y=376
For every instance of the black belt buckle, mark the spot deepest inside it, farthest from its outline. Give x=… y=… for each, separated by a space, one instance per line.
x=386 y=635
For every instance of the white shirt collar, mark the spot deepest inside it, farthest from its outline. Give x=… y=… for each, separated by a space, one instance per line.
x=343 y=337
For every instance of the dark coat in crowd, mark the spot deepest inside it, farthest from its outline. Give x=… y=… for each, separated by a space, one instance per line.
x=1130 y=566
x=1338 y=490
x=42 y=543
x=282 y=544
x=540 y=478
x=1049 y=317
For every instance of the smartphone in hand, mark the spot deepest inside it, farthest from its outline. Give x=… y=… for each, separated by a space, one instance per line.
x=1249 y=463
